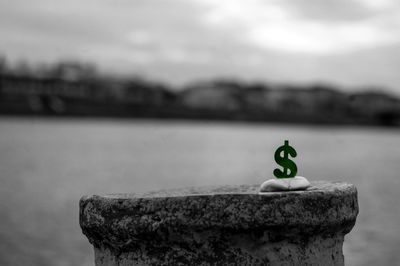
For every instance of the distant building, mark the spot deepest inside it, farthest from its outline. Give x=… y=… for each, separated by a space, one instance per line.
x=210 y=96
x=29 y=86
x=57 y=95
x=376 y=106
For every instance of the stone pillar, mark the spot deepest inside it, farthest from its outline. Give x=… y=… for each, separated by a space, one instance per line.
x=228 y=225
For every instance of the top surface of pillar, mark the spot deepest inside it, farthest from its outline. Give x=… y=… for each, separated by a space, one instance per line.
x=323 y=207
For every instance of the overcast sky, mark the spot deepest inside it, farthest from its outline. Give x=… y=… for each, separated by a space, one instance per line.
x=349 y=43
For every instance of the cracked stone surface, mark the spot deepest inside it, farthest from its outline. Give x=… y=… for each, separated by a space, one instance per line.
x=224 y=225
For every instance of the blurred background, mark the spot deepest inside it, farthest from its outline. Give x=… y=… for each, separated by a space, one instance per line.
x=129 y=96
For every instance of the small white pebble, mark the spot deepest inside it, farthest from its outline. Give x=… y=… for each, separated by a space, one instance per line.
x=285 y=184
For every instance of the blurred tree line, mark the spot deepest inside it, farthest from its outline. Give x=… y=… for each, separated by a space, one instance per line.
x=72 y=88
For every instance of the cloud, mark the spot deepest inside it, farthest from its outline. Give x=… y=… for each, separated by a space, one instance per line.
x=144 y=31
x=309 y=26
x=140 y=38
x=339 y=11
x=349 y=42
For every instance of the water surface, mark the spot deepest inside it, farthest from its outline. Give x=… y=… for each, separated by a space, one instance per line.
x=46 y=165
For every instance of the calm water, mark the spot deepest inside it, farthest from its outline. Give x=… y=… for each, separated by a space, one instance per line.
x=47 y=165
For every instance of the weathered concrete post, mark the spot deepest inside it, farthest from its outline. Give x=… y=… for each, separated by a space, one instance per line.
x=231 y=225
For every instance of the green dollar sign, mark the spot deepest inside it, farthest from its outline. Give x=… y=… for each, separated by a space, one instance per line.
x=289 y=167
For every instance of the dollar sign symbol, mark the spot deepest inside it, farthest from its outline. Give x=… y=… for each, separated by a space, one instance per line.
x=289 y=167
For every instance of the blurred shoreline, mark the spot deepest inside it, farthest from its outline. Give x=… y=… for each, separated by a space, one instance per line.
x=77 y=90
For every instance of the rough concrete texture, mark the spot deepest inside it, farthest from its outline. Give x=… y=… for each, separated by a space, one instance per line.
x=229 y=225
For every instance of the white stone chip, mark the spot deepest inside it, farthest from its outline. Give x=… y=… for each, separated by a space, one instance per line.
x=285 y=184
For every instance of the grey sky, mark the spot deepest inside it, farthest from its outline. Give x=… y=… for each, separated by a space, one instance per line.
x=345 y=42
